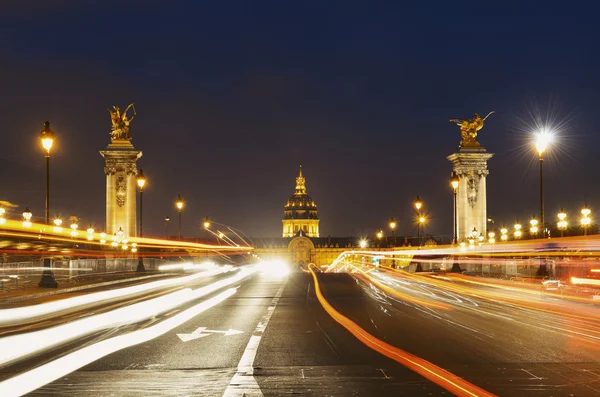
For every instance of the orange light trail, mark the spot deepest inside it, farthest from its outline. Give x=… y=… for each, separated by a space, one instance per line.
x=437 y=375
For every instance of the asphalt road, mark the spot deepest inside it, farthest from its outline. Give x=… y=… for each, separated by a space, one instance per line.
x=282 y=343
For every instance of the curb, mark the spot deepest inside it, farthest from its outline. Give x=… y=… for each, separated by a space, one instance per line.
x=73 y=289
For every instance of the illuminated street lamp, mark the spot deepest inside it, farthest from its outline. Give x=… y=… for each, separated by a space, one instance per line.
x=206 y=223
x=179 y=206
x=57 y=223
x=518 y=233
x=27 y=217
x=393 y=227
x=542 y=139
x=363 y=243
x=585 y=219
x=47 y=138
x=420 y=219
x=562 y=222
x=74 y=227
x=533 y=226
x=380 y=234
x=454 y=181
x=141 y=181
x=102 y=238
x=504 y=234
x=167 y=219
x=491 y=237
x=90 y=235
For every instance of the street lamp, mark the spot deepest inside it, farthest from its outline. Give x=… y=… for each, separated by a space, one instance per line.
x=206 y=223
x=47 y=138
x=167 y=219
x=533 y=226
x=393 y=227
x=141 y=181
x=542 y=139
x=27 y=217
x=491 y=237
x=585 y=219
x=454 y=181
x=179 y=205
x=504 y=234
x=562 y=222
x=57 y=223
x=363 y=243
x=518 y=233
x=74 y=227
x=380 y=234
x=420 y=219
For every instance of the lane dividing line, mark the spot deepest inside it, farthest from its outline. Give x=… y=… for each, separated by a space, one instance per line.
x=243 y=383
x=447 y=380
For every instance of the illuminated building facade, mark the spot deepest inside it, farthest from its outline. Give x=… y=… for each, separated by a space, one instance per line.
x=300 y=212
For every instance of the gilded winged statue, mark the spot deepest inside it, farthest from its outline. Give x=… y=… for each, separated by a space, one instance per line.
x=469 y=129
x=120 y=123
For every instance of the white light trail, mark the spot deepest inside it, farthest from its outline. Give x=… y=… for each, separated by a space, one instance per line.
x=20 y=314
x=16 y=347
x=44 y=374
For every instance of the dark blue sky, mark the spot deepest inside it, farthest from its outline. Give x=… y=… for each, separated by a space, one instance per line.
x=232 y=96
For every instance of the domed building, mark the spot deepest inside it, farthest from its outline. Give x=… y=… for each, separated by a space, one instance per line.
x=300 y=213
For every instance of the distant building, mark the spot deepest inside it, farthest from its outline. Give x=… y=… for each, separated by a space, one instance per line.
x=301 y=244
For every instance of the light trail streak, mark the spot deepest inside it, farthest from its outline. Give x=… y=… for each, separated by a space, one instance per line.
x=19 y=346
x=44 y=374
x=39 y=231
x=21 y=314
x=365 y=278
x=437 y=375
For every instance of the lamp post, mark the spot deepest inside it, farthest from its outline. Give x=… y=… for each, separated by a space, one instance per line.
x=454 y=181
x=206 y=223
x=542 y=139
x=504 y=234
x=141 y=182
x=393 y=227
x=518 y=233
x=585 y=219
x=420 y=219
x=167 y=219
x=562 y=222
x=47 y=138
x=179 y=205
x=533 y=226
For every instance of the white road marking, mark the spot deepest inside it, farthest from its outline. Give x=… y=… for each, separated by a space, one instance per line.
x=202 y=331
x=243 y=383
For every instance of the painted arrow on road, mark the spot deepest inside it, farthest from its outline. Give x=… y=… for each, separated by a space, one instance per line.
x=201 y=332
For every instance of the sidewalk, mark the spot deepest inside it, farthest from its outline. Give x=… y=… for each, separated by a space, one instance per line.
x=29 y=293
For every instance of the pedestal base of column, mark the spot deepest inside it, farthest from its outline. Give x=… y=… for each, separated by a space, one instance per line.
x=47 y=280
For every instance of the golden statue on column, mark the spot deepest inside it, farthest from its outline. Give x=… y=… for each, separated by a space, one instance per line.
x=469 y=129
x=120 y=123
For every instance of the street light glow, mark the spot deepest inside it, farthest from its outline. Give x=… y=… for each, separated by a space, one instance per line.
x=141 y=180
x=418 y=203
x=454 y=181
x=47 y=137
x=392 y=223
x=363 y=243
x=206 y=223
x=179 y=202
x=542 y=139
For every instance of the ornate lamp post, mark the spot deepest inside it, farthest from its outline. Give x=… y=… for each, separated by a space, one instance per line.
x=533 y=226
x=141 y=181
x=454 y=181
x=47 y=138
x=504 y=234
x=27 y=217
x=585 y=219
x=518 y=233
x=420 y=219
x=542 y=139
x=393 y=227
x=179 y=205
x=562 y=222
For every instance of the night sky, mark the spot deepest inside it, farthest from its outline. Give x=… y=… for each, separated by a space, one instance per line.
x=232 y=96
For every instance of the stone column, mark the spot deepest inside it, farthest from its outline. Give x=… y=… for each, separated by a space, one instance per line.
x=470 y=164
x=121 y=171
